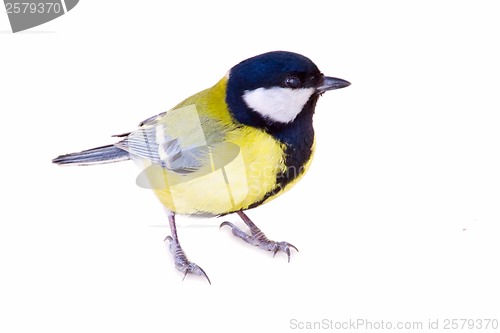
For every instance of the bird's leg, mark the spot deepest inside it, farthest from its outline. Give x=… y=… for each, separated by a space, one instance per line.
x=181 y=261
x=258 y=238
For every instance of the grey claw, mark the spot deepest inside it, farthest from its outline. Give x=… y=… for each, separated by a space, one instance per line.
x=182 y=263
x=195 y=269
x=257 y=238
x=285 y=247
x=229 y=224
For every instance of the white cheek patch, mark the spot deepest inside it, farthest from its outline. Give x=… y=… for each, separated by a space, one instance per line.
x=277 y=103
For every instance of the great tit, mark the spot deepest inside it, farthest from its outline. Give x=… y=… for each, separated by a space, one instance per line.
x=229 y=148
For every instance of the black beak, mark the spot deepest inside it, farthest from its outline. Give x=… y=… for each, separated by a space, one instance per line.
x=331 y=83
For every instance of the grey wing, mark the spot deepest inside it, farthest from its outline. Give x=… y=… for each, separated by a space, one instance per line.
x=168 y=152
x=178 y=140
x=152 y=119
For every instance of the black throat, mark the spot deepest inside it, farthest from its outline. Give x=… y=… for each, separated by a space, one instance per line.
x=298 y=137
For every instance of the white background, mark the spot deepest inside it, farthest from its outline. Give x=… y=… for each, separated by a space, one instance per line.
x=397 y=220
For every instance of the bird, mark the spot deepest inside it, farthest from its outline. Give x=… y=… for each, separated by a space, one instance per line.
x=227 y=149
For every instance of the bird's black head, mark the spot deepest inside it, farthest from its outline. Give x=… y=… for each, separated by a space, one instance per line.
x=272 y=90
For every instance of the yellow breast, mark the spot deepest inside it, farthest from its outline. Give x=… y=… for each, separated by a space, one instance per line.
x=234 y=186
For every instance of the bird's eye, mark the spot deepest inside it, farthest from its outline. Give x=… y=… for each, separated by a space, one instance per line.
x=292 y=82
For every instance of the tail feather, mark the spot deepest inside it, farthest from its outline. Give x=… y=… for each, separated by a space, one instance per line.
x=99 y=155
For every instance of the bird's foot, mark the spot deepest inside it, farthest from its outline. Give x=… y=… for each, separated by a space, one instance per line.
x=258 y=238
x=182 y=263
